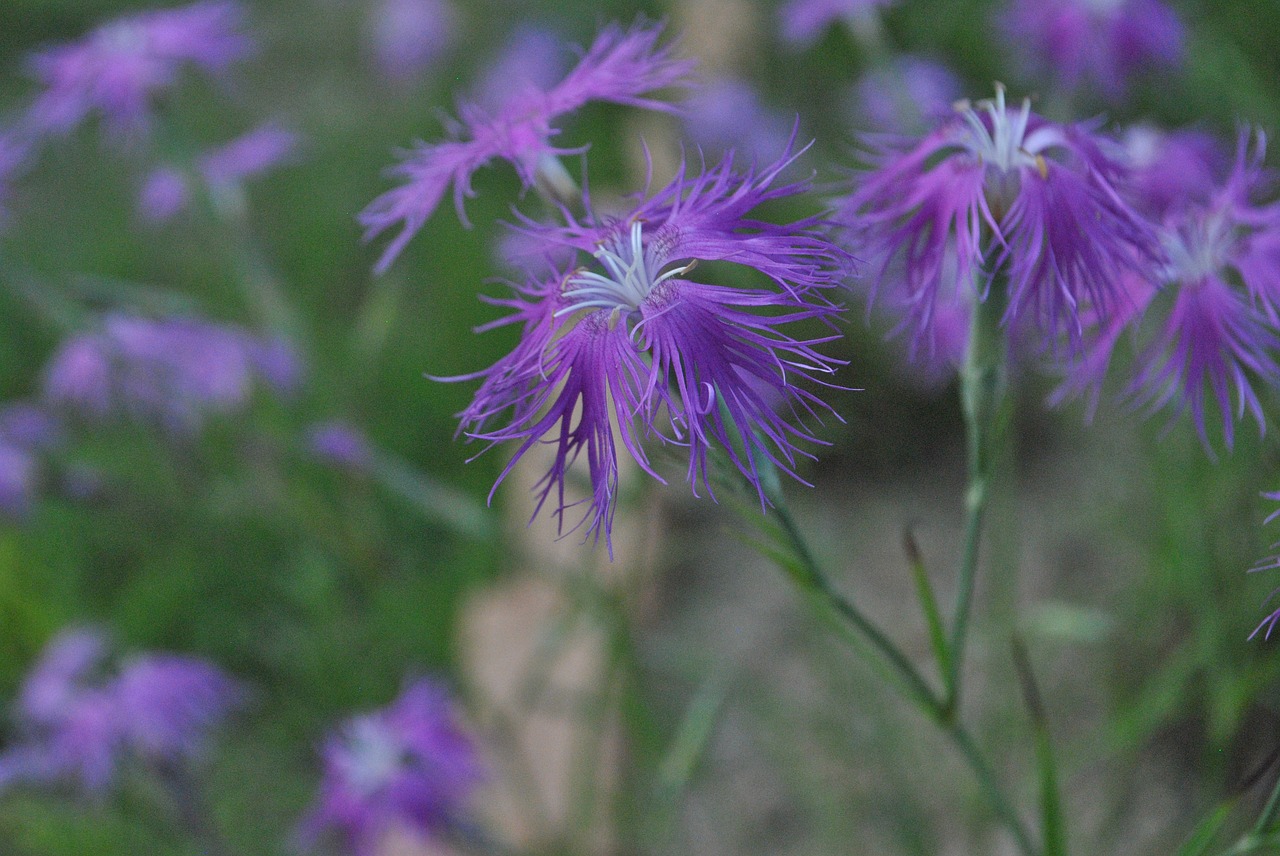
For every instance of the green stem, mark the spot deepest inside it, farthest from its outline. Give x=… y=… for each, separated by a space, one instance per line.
x=983 y=384
x=811 y=580
x=814 y=583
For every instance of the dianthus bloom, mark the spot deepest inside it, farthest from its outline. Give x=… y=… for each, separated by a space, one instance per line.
x=727 y=113
x=1099 y=43
x=121 y=66
x=621 y=66
x=409 y=36
x=167 y=189
x=175 y=371
x=82 y=715
x=803 y=21
x=999 y=189
x=409 y=767
x=1221 y=278
x=906 y=96
x=630 y=345
x=25 y=430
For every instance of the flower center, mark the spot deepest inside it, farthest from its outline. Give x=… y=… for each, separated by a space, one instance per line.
x=1006 y=145
x=373 y=757
x=631 y=275
x=1199 y=248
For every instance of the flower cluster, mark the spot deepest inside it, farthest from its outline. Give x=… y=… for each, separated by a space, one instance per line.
x=173 y=372
x=118 y=69
x=82 y=715
x=1096 y=43
x=168 y=190
x=409 y=767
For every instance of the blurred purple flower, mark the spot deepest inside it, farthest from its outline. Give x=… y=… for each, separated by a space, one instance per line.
x=28 y=426
x=727 y=113
x=408 y=767
x=803 y=21
x=907 y=96
x=989 y=188
x=1095 y=43
x=1173 y=169
x=167 y=190
x=19 y=472
x=621 y=66
x=117 y=69
x=409 y=36
x=340 y=444
x=1218 y=335
x=165 y=193
x=175 y=372
x=630 y=339
x=80 y=717
x=533 y=59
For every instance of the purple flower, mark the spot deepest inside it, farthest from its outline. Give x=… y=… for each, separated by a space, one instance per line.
x=25 y=430
x=621 y=66
x=629 y=346
x=409 y=36
x=803 y=21
x=408 y=767
x=81 y=717
x=995 y=188
x=120 y=67
x=1218 y=336
x=1098 y=43
x=167 y=190
x=727 y=113
x=340 y=444
x=175 y=372
x=168 y=704
x=532 y=59
x=1173 y=169
x=1269 y=564
x=908 y=95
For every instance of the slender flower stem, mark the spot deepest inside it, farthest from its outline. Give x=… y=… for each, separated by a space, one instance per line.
x=810 y=579
x=193 y=809
x=983 y=383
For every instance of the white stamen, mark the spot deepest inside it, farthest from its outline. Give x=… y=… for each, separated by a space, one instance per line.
x=631 y=275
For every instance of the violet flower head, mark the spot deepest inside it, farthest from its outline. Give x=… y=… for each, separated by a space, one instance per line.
x=1223 y=276
x=630 y=345
x=25 y=431
x=81 y=717
x=995 y=188
x=1096 y=43
x=727 y=114
x=621 y=66
x=172 y=372
x=1173 y=169
x=340 y=444
x=121 y=66
x=907 y=96
x=803 y=21
x=167 y=190
x=409 y=767
x=168 y=704
x=532 y=58
x=409 y=36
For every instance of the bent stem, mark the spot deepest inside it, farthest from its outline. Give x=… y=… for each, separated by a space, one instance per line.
x=983 y=383
x=809 y=577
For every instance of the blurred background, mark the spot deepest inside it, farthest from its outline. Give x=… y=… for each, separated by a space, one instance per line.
x=324 y=535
